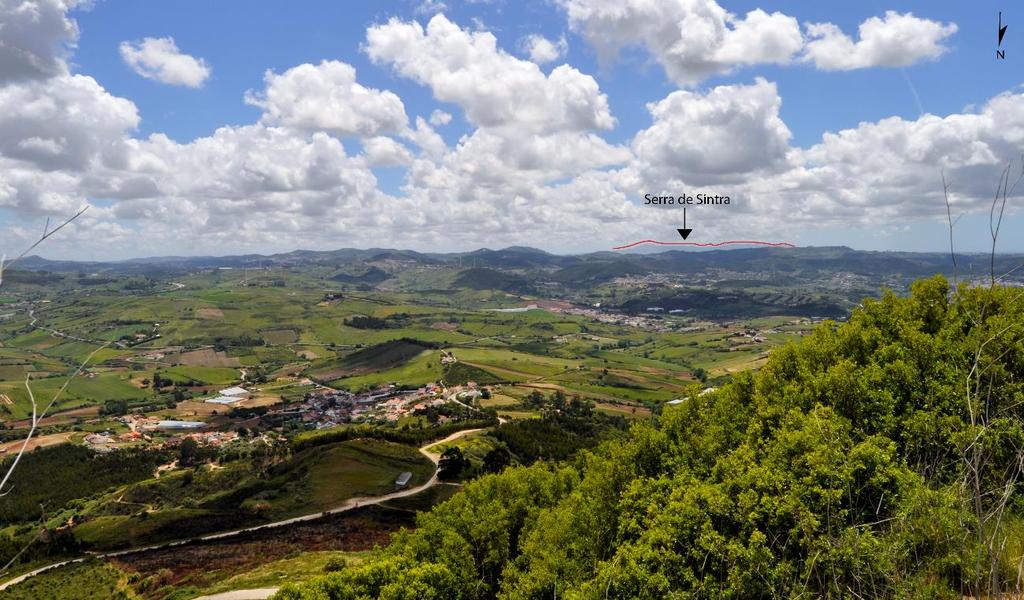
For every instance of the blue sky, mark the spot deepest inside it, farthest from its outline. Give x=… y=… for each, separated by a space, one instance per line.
x=276 y=35
x=491 y=185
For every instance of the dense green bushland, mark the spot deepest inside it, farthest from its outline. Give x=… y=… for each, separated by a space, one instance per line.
x=460 y=373
x=866 y=461
x=567 y=425
x=47 y=478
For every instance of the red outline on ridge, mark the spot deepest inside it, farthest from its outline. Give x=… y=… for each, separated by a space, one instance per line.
x=708 y=244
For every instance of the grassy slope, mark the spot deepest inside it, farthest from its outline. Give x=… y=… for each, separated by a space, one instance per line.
x=80 y=581
x=362 y=468
x=80 y=392
x=288 y=570
x=314 y=480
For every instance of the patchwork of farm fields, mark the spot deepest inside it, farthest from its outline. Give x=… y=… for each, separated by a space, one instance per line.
x=208 y=334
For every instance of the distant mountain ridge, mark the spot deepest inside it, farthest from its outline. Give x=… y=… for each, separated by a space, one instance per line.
x=719 y=284
x=372 y=264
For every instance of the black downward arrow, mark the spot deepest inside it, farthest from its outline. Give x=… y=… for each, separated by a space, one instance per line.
x=684 y=231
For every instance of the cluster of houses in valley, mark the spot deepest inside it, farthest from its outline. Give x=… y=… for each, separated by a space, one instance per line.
x=145 y=429
x=758 y=337
x=322 y=407
x=327 y=407
x=204 y=438
x=106 y=441
x=597 y=313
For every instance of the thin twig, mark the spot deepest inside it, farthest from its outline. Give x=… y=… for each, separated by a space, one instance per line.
x=46 y=234
x=38 y=416
x=949 y=219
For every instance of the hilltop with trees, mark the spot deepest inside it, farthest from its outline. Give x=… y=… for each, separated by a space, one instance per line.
x=877 y=458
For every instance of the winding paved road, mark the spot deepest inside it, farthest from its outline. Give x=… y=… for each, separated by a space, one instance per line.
x=255 y=594
x=349 y=504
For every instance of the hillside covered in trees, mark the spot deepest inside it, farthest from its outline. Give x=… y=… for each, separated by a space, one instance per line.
x=877 y=458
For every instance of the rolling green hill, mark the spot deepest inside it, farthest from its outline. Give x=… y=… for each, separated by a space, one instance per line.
x=491 y=279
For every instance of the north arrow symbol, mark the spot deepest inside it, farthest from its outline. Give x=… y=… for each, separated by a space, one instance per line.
x=1002 y=29
x=684 y=231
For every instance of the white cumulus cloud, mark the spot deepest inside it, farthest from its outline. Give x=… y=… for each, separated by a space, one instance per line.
x=34 y=37
x=691 y=39
x=65 y=122
x=896 y=40
x=731 y=133
x=327 y=97
x=382 y=151
x=541 y=50
x=160 y=59
x=533 y=166
x=531 y=128
x=492 y=86
x=697 y=39
x=440 y=117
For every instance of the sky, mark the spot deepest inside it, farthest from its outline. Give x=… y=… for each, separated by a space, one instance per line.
x=212 y=128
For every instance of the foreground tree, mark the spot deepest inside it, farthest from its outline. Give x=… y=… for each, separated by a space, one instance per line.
x=451 y=464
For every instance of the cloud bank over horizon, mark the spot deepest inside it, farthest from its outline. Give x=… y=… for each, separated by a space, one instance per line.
x=542 y=159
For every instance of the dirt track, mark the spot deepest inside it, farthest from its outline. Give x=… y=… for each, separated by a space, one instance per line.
x=348 y=505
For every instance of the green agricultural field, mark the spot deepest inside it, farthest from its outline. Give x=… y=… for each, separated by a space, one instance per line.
x=505 y=362
x=518 y=414
x=473 y=446
x=280 y=336
x=405 y=361
x=14 y=371
x=362 y=468
x=351 y=335
x=273 y=355
x=630 y=359
x=736 y=362
x=9 y=354
x=498 y=401
x=208 y=375
x=460 y=373
x=616 y=385
x=294 y=569
x=81 y=391
x=425 y=368
x=213 y=326
x=37 y=339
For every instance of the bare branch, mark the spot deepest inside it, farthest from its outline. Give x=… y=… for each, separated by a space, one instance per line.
x=38 y=416
x=995 y=217
x=949 y=219
x=46 y=234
